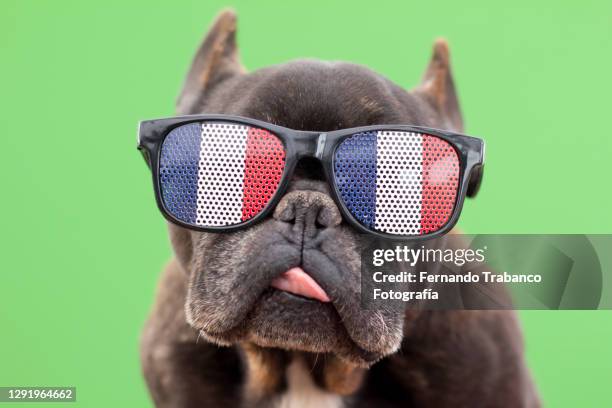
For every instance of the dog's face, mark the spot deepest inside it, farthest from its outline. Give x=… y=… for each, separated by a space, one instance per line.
x=231 y=296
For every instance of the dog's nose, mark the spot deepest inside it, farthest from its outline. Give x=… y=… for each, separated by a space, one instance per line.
x=308 y=211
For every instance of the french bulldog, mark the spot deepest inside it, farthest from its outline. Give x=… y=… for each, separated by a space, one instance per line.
x=270 y=316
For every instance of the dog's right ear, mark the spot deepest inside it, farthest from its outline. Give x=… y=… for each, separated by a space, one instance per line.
x=216 y=60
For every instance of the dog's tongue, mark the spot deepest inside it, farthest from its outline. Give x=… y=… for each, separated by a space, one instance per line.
x=298 y=282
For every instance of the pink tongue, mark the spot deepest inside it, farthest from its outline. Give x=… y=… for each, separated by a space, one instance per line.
x=298 y=282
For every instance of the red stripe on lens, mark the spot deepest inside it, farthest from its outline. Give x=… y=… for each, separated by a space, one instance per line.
x=264 y=165
x=440 y=181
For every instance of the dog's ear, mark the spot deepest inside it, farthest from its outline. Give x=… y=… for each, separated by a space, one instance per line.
x=216 y=60
x=438 y=87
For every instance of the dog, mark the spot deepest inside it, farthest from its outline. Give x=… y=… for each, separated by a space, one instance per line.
x=219 y=337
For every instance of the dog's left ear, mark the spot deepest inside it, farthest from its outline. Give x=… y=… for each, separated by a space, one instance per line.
x=438 y=88
x=216 y=60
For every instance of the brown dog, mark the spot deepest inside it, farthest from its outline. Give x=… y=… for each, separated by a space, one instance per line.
x=219 y=336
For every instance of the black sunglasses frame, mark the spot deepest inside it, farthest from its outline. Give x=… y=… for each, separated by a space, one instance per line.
x=322 y=146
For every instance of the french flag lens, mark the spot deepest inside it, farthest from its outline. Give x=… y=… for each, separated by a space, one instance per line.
x=397 y=182
x=215 y=174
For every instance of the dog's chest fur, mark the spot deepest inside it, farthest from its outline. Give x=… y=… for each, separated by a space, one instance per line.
x=302 y=392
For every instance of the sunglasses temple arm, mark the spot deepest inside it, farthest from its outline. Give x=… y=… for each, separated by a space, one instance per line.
x=477 y=173
x=145 y=156
x=139 y=144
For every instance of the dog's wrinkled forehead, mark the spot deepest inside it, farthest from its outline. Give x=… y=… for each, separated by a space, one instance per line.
x=313 y=95
x=316 y=95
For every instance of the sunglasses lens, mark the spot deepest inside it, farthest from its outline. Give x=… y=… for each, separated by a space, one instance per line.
x=398 y=182
x=215 y=174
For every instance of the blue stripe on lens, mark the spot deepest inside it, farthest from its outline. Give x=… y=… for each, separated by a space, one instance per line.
x=355 y=175
x=178 y=169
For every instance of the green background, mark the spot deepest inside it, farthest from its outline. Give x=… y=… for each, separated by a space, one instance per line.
x=82 y=242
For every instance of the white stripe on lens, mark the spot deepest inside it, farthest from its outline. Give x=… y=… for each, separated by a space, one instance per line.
x=399 y=168
x=221 y=174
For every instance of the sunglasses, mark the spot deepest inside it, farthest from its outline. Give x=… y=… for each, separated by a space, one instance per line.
x=218 y=173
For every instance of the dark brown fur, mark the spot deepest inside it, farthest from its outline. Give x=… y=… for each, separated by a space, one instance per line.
x=218 y=337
